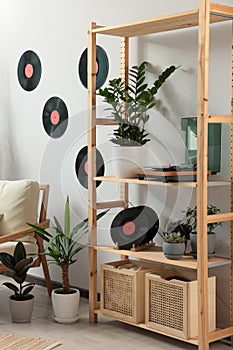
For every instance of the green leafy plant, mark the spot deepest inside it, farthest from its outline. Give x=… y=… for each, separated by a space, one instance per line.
x=63 y=246
x=191 y=217
x=176 y=232
x=18 y=265
x=130 y=104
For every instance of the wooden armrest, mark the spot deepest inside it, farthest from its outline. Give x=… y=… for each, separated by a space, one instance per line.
x=25 y=232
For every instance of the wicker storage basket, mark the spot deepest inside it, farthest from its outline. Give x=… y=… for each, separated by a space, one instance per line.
x=171 y=303
x=123 y=289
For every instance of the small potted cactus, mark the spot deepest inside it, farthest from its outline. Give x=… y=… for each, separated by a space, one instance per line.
x=174 y=240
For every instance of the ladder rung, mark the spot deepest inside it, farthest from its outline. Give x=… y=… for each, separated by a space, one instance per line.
x=110 y=204
x=219 y=217
x=105 y=121
x=220 y=118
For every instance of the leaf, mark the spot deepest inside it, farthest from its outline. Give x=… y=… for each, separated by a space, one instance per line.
x=19 y=252
x=67 y=218
x=7 y=260
x=28 y=289
x=11 y=286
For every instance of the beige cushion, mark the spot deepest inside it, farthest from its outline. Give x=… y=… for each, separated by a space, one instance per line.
x=19 y=204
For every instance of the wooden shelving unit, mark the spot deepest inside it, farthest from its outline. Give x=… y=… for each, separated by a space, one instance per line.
x=202 y=18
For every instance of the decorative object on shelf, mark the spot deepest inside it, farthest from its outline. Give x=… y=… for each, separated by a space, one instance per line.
x=123 y=289
x=62 y=248
x=21 y=302
x=55 y=117
x=29 y=70
x=168 y=173
x=174 y=240
x=189 y=126
x=81 y=166
x=130 y=104
x=102 y=67
x=134 y=227
x=171 y=298
x=191 y=220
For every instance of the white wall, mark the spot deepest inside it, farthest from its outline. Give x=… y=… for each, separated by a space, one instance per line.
x=57 y=31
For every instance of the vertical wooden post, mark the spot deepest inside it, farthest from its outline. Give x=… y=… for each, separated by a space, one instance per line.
x=202 y=163
x=231 y=177
x=92 y=172
x=124 y=59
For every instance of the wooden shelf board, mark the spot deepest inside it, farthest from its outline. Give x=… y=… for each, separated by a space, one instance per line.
x=217 y=334
x=155 y=254
x=165 y=23
x=158 y=183
x=220 y=118
x=106 y=121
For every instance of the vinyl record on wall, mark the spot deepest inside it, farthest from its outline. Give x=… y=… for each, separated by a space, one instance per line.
x=29 y=70
x=102 y=67
x=130 y=226
x=55 y=117
x=81 y=166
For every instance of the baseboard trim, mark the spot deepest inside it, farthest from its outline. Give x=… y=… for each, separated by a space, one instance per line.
x=84 y=293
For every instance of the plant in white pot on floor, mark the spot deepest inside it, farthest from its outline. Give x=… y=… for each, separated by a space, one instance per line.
x=21 y=302
x=130 y=104
x=62 y=248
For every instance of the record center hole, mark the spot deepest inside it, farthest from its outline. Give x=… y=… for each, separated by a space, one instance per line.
x=28 y=70
x=55 y=117
x=129 y=228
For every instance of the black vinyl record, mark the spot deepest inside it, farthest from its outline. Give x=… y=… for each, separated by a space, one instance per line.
x=102 y=67
x=153 y=223
x=81 y=166
x=29 y=70
x=129 y=227
x=55 y=117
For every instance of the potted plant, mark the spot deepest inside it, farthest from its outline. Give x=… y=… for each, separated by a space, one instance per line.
x=21 y=302
x=174 y=240
x=62 y=248
x=191 y=220
x=130 y=104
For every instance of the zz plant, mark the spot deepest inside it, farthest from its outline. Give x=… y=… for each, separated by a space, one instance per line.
x=130 y=104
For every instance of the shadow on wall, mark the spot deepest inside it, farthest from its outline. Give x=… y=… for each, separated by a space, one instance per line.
x=7 y=156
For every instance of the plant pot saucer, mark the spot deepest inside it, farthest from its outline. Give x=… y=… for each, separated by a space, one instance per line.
x=210 y=255
x=66 y=320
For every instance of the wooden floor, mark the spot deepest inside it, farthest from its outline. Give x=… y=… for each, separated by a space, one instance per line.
x=106 y=335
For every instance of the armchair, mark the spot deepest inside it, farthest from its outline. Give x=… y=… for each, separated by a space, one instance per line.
x=24 y=201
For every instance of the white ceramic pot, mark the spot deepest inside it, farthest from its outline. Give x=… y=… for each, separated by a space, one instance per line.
x=127 y=158
x=65 y=306
x=21 y=310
